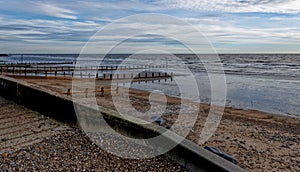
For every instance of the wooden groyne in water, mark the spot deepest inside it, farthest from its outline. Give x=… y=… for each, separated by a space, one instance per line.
x=97 y=72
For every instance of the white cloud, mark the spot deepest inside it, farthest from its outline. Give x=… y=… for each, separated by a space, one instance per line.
x=55 y=11
x=123 y=5
x=269 y=6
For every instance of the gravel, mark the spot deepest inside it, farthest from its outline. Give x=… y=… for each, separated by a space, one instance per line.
x=71 y=150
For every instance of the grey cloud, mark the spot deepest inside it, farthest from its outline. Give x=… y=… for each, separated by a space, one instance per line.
x=47 y=30
x=153 y=39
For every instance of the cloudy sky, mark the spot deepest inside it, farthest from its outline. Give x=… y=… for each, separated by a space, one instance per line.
x=231 y=26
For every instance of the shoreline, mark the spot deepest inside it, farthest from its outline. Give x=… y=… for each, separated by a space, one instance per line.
x=283 y=115
x=234 y=101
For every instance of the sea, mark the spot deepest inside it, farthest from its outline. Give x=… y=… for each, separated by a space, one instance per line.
x=264 y=82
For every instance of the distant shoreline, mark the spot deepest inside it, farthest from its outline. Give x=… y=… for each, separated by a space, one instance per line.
x=156 y=54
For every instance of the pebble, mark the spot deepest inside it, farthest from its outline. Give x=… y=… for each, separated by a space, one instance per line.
x=158 y=120
x=4 y=155
x=72 y=150
x=168 y=127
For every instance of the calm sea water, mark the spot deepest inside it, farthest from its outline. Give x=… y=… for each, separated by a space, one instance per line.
x=269 y=83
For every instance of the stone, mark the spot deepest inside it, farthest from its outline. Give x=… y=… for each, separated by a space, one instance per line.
x=4 y=155
x=158 y=120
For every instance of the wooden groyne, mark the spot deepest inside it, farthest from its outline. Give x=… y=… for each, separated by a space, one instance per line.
x=97 y=72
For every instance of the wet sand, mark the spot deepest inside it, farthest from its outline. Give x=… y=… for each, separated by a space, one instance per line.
x=259 y=141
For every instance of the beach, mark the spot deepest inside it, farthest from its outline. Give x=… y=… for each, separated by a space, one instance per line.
x=259 y=141
x=259 y=126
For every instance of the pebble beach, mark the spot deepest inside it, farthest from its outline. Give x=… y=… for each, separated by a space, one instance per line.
x=71 y=150
x=50 y=145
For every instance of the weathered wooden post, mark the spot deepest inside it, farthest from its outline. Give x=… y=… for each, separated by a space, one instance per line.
x=13 y=71
x=25 y=71
x=69 y=92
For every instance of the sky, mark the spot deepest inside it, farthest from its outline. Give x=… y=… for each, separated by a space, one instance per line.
x=229 y=26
